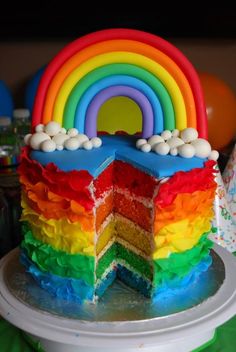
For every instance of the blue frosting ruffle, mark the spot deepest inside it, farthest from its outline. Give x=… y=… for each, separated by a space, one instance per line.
x=78 y=290
x=174 y=286
x=61 y=287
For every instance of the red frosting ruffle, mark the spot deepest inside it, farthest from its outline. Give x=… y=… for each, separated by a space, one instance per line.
x=198 y=179
x=73 y=185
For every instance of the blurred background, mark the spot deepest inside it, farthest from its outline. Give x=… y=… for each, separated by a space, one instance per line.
x=31 y=35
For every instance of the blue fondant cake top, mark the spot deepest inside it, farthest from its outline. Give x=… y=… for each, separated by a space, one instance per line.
x=117 y=147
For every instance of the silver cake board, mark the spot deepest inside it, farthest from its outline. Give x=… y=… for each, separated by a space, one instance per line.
x=122 y=320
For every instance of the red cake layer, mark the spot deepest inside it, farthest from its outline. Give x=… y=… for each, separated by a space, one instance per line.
x=125 y=176
x=137 y=182
x=133 y=210
x=104 y=181
x=131 y=183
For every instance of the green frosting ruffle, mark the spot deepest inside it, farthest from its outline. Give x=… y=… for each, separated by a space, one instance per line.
x=59 y=263
x=82 y=266
x=180 y=264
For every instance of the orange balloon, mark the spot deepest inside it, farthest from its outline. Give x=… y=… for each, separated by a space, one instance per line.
x=221 y=110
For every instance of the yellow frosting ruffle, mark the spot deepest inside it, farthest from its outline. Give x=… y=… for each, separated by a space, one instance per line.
x=181 y=235
x=60 y=234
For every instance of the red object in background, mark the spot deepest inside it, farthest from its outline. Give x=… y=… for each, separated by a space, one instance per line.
x=221 y=110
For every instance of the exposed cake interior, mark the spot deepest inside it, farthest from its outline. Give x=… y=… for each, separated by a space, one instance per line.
x=83 y=232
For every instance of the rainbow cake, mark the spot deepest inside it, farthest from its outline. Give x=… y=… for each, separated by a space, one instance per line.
x=96 y=206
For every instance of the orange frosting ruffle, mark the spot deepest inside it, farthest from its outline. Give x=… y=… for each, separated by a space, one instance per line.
x=53 y=206
x=185 y=205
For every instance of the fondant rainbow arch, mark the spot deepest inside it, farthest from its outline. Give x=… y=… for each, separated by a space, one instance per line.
x=124 y=62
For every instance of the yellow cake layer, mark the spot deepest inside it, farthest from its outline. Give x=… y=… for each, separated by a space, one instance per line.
x=120 y=227
x=176 y=237
x=105 y=236
x=134 y=234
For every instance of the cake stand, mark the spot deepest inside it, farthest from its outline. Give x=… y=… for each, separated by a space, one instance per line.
x=122 y=320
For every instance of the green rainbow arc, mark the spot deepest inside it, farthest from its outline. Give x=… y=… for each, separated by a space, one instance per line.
x=112 y=69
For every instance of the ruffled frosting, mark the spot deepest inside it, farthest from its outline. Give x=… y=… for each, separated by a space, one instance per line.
x=183 y=210
x=180 y=264
x=198 y=179
x=73 y=185
x=59 y=263
x=184 y=206
x=53 y=206
x=180 y=236
x=64 y=288
x=176 y=271
x=60 y=234
x=173 y=286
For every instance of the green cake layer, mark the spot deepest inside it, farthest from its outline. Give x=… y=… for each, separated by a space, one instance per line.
x=118 y=253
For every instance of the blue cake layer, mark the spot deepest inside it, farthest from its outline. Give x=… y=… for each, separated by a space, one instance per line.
x=166 y=289
x=120 y=148
x=105 y=283
x=134 y=280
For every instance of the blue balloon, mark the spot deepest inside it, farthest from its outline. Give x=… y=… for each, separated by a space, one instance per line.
x=6 y=100
x=31 y=89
